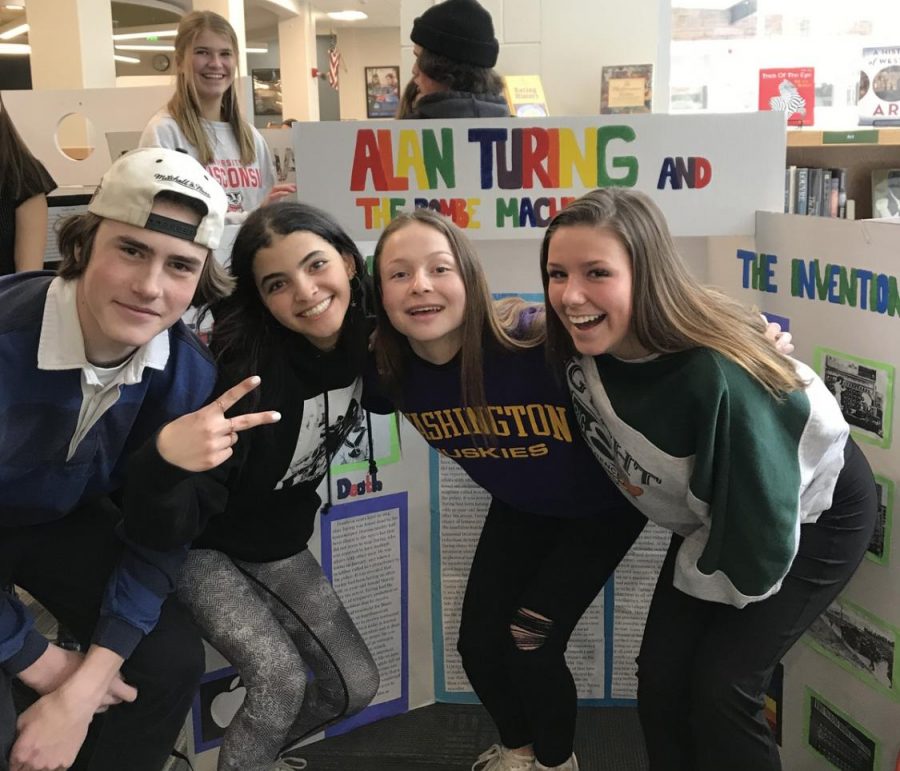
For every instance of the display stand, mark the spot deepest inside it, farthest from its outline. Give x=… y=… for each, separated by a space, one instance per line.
x=839 y=705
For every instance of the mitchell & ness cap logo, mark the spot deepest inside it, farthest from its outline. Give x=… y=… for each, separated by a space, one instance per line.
x=190 y=184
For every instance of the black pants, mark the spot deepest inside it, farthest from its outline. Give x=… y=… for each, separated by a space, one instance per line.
x=553 y=567
x=704 y=667
x=65 y=565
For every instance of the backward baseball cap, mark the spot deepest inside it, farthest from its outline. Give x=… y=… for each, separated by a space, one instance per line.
x=129 y=188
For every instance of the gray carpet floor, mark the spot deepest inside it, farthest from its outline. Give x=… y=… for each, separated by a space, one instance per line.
x=449 y=737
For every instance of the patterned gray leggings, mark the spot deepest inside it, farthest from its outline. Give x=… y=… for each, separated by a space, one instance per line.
x=272 y=621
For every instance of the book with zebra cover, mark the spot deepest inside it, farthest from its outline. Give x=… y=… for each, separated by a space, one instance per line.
x=791 y=90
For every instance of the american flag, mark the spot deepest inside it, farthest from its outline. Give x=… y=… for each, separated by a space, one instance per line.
x=334 y=64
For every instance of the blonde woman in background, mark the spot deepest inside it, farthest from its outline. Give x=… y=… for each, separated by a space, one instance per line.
x=204 y=118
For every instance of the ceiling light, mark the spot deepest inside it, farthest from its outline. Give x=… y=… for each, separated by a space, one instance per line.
x=347 y=15
x=14 y=7
x=14 y=49
x=256 y=50
x=126 y=59
x=14 y=32
x=145 y=48
x=146 y=35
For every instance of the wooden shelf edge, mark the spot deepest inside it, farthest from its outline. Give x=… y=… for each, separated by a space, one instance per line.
x=804 y=138
x=886 y=136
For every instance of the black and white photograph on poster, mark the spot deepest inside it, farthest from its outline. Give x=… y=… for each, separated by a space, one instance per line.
x=288 y=167
x=355 y=448
x=280 y=141
x=837 y=739
x=218 y=698
x=850 y=637
x=861 y=390
x=285 y=170
x=878 y=550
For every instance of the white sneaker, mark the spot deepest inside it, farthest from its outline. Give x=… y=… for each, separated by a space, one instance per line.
x=570 y=765
x=499 y=758
x=289 y=764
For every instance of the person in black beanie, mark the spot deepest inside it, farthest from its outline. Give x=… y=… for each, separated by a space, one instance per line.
x=456 y=51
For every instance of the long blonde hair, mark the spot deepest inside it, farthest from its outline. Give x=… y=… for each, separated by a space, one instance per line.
x=506 y=323
x=184 y=106
x=671 y=310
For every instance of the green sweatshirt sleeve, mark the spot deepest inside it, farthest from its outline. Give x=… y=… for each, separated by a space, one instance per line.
x=701 y=448
x=745 y=486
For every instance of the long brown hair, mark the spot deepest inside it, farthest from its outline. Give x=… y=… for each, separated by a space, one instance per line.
x=407 y=100
x=459 y=76
x=672 y=311
x=184 y=106
x=483 y=321
x=17 y=164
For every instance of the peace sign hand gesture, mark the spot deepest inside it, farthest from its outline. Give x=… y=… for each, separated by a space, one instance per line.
x=204 y=439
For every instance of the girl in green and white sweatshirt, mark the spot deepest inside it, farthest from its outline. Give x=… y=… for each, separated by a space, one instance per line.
x=741 y=452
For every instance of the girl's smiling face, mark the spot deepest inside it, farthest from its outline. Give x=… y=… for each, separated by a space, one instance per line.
x=304 y=282
x=590 y=289
x=212 y=62
x=422 y=291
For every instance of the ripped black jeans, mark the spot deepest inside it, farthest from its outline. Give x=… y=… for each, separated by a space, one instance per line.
x=537 y=575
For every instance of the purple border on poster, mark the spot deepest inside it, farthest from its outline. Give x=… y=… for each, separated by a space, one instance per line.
x=784 y=321
x=356 y=509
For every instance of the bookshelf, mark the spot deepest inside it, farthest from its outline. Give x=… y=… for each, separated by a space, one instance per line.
x=859 y=151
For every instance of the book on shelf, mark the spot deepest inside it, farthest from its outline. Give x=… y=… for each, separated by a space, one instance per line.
x=879 y=87
x=814 y=193
x=826 y=195
x=802 y=190
x=839 y=193
x=885 y=193
x=791 y=90
x=525 y=96
x=819 y=192
x=790 y=189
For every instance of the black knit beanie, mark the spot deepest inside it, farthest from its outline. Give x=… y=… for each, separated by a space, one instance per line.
x=460 y=30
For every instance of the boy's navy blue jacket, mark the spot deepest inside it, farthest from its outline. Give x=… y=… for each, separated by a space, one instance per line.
x=39 y=410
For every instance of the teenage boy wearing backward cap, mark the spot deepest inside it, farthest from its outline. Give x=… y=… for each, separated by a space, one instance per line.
x=456 y=51
x=94 y=361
